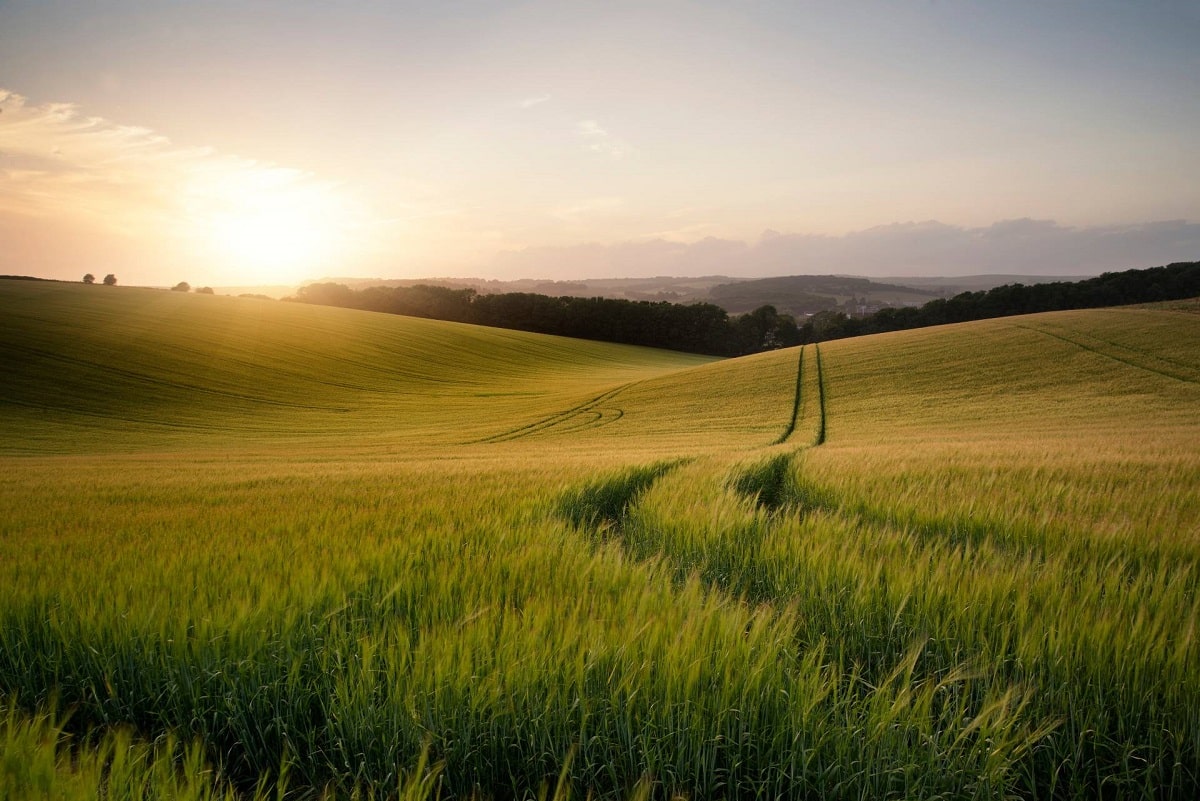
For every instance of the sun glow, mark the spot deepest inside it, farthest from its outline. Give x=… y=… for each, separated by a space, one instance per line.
x=272 y=226
x=274 y=237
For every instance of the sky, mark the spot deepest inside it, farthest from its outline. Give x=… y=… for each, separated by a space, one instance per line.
x=239 y=143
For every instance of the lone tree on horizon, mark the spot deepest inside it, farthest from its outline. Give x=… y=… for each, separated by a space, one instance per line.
x=182 y=286
x=110 y=280
x=89 y=279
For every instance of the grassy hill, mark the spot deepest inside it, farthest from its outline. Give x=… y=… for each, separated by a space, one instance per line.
x=130 y=364
x=956 y=562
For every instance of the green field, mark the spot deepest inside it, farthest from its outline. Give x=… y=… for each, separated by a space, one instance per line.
x=383 y=556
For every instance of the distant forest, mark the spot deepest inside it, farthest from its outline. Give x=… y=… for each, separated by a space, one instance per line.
x=709 y=329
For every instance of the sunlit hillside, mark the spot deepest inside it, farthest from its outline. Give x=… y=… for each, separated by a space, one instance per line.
x=116 y=368
x=383 y=552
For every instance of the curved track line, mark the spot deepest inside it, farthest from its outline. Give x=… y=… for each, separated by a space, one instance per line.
x=1113 y=357
x=599 y=417
x=819 y=439
x=798 y=403
x=557 y=418
x=1187 y=367
x=791 y=426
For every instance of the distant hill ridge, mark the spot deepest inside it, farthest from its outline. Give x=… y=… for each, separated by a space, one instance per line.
x=797 y=295
x=809 y=294
x=704 y=327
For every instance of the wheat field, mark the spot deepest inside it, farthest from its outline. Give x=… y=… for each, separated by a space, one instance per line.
x=251 y=549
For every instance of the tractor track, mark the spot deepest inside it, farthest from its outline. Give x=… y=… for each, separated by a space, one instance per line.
x=1112 y=356
x=595 y=413
x=798 y=402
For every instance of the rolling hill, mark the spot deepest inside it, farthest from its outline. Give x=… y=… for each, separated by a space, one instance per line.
x=149 y=364
x=808 y=294
x=959 y=561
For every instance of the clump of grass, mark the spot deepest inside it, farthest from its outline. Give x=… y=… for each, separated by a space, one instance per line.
x=40 y=760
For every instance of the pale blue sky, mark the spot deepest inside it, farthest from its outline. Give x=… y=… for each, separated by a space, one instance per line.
x=485 y=138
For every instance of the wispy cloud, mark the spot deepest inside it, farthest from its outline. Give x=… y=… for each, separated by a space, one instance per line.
x=64 y=168
x=1018 y=247
x=58 y=161
x=599 y=140
x=530 y=102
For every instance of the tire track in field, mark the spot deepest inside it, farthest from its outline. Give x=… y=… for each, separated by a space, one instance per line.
x=798 y=403
x=1185 y=367
x=594 y=412
x=593 y=418
x=602 y=506
x=1112 y=356
x=819 y=439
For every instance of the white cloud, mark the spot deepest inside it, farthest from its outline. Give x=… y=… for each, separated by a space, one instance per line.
x=599 y=140
x=591 y=128
x=530 y=102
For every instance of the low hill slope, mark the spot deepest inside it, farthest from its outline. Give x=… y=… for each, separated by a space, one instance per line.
x=103 y=367
x=1090 y=380
x=1109 y=371
x=86 y=365
x=1042 y=428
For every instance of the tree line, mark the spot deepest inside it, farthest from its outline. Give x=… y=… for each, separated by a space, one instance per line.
x=692 y=328
x=1172 y=282
x=709 y=329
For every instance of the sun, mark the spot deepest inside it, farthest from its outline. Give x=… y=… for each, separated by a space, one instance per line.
x=273 y=227
x=275 y=240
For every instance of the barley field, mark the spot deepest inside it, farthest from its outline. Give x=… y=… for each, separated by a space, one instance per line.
x=254 y=549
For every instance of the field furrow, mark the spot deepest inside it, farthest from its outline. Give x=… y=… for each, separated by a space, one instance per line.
x=1123 y=355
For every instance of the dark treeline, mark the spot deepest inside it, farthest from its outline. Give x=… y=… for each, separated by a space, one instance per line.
x=692 y=328
x=706 y=328
x=1173 y=282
